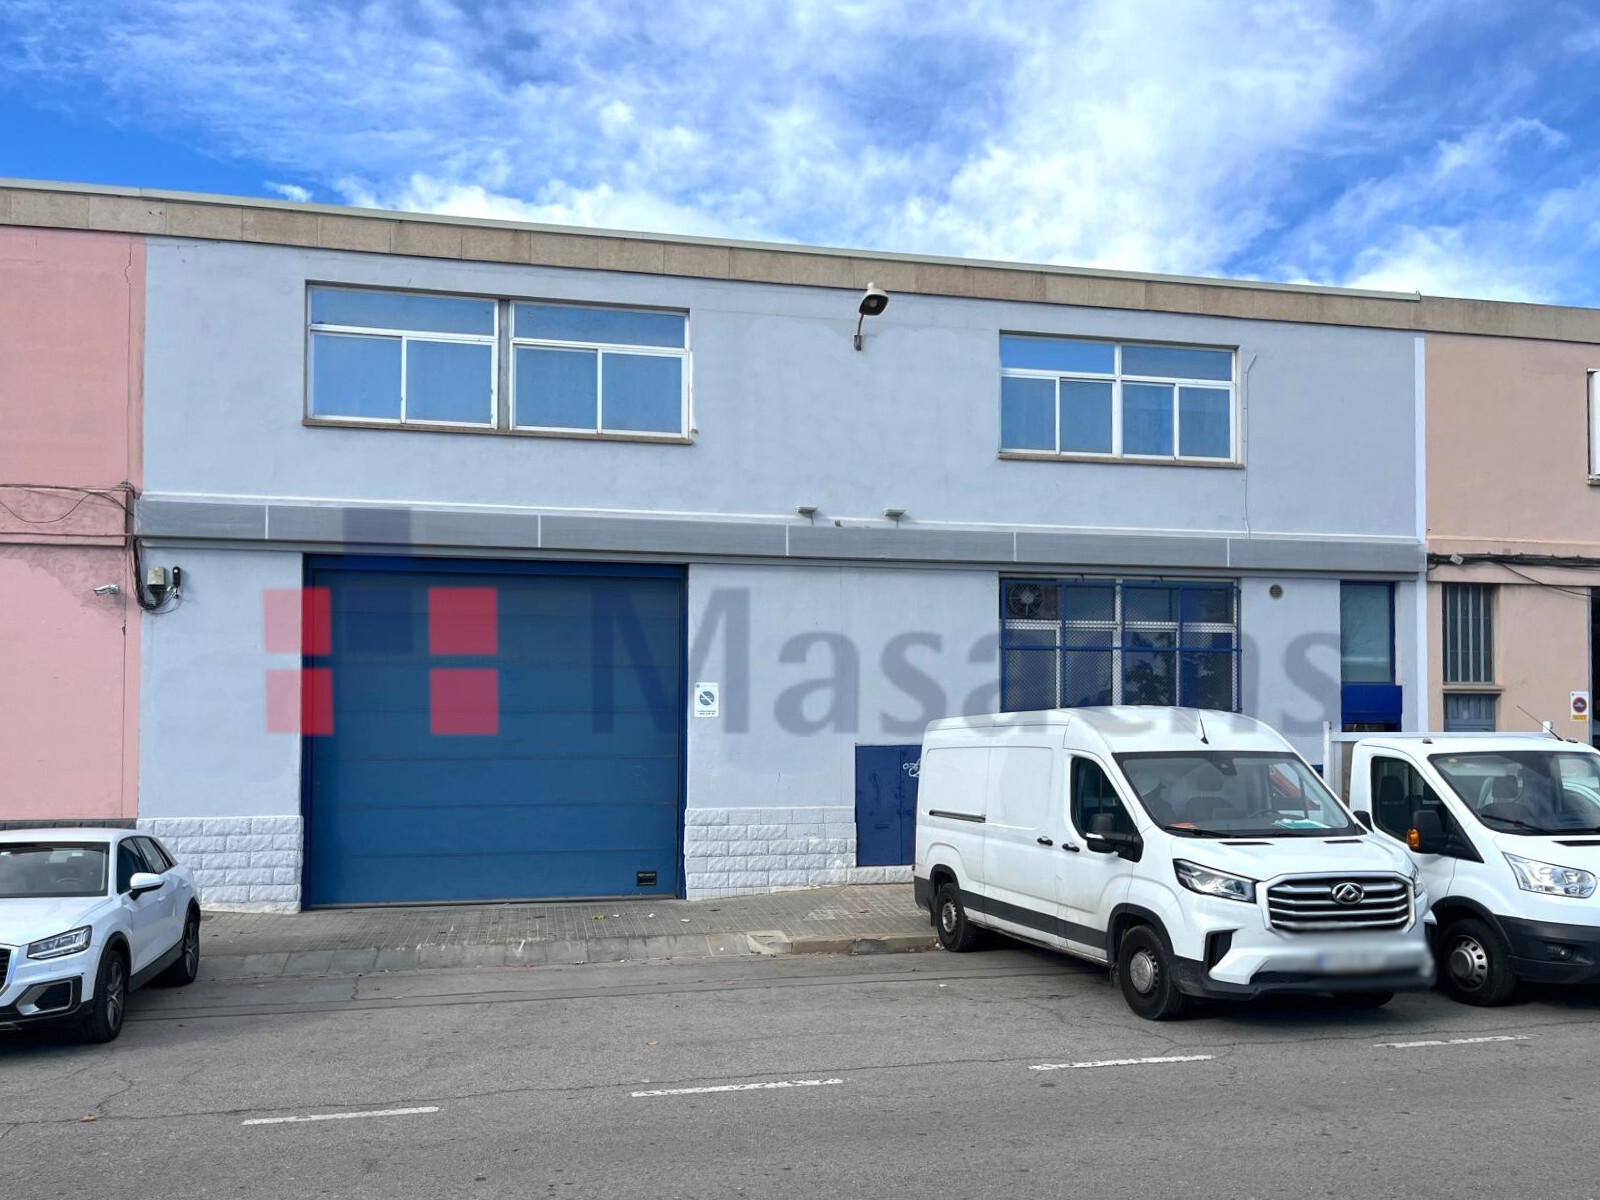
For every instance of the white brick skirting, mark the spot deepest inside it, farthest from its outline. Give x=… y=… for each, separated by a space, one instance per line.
x=738 y=851
x=241 y=864
x=253 y=864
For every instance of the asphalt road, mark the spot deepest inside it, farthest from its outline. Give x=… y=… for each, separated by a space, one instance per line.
x=912 y=1075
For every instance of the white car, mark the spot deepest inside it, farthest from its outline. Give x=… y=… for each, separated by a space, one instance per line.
x=86 y=916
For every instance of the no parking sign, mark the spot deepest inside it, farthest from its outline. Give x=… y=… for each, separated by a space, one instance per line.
x=1580 y=706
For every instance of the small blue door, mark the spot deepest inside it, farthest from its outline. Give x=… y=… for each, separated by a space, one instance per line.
x=499 y=731
x=886 y=805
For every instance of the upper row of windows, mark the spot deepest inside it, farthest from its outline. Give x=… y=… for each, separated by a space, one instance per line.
x=400 y=358
x=435 y=360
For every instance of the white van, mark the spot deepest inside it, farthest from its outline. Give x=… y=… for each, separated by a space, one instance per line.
x=1194 y=852
x=1506 y=831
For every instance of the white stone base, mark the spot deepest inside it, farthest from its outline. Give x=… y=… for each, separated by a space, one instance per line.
x=253 y=864
x=241 y=864
x=744 y=851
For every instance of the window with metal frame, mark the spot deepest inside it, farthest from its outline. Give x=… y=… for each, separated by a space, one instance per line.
x=1468 y=633
x=1469 y=712
x=1366 y=632
x=599 y=370
x=400 y=358
x=1074 y=642
x=1116 y=400
x=1594 y=426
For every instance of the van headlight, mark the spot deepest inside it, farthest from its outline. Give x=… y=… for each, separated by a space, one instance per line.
x=1214 y=883
x=74 y=941
x=1550 y=880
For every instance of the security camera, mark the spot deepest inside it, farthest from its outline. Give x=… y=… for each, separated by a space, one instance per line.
x=873 y=301
x=108 y=589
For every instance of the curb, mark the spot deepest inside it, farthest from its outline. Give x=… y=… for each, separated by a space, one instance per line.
x=773 y=943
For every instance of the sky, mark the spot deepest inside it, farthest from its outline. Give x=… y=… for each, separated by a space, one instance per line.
x=1444 y=146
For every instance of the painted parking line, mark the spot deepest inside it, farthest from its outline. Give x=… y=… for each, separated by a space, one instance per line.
x=1469 y=1041
x=1124 y=1062
x=741 y=1087
x=344 y=1116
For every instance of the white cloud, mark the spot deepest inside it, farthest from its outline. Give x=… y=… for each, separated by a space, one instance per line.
x=289 y=191
x=1459 y=220
x=1187 y=136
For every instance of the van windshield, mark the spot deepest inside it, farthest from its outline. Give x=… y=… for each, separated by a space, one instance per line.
x=1222 y=793
x=1527 y=792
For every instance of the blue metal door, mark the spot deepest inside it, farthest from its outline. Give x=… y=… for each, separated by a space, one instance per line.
x=498 y=731
x=886 y=805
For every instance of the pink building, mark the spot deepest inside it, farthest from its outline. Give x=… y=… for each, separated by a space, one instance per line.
x=1513 y=450
x=71 y=363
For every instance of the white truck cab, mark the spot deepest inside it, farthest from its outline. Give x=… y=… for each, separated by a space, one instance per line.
x=1505 y=829
x=1194 y=852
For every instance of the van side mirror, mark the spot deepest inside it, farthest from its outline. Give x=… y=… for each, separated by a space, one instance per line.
x=1427 y=835
x=1366 y=819
x=1103 y=837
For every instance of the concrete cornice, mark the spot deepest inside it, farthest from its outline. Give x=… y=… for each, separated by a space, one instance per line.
x=444 y=529
x=98 y=208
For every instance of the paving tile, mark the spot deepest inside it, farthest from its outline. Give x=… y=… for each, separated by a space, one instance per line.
x=399 y=939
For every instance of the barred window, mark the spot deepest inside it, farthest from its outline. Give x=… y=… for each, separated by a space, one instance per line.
x=1469 y=633
x=1073 y=642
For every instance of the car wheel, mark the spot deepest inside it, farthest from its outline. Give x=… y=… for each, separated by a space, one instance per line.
x=182 y=973
x=1363 y=999
x=1474 y=964
x=956 y=933
x=108 y=1005
x=1144 y=973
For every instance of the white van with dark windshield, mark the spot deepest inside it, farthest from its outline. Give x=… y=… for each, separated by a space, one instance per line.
x=1194 y=852
x=1505 y=829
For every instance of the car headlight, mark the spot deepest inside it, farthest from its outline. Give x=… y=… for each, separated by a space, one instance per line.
x=1214 y=883
x=74 y=941
x=1550 y=880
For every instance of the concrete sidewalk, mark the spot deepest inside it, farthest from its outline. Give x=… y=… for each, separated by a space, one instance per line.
x=873 y=919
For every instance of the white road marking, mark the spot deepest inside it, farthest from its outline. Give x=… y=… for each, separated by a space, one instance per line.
x=345 y=1116
x=1123 y=1062
x=1471 y=1041
x=741 y=1087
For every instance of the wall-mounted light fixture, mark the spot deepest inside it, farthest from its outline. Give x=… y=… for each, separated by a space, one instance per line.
x=894 y=514
x=808 y=511
x=108 y=589
x=873 y=301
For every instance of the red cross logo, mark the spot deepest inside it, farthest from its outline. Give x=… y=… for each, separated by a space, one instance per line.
x=462 y=622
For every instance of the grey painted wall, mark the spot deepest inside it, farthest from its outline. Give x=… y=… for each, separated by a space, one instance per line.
x=897 y=647
x=778 y=743
x=204 y=746
x=787 y=412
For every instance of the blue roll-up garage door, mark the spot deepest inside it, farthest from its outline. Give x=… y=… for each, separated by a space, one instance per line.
x=496 y=731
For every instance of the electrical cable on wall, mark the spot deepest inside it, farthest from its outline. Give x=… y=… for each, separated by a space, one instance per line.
x=1510 y=562
x=150 y=600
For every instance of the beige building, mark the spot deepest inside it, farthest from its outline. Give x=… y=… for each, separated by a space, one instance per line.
x=1513 y=504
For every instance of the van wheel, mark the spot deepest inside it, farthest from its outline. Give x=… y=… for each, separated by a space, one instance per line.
x=103 y=1020
x=1474 y=964
x=956 y=933
x=1144 y=973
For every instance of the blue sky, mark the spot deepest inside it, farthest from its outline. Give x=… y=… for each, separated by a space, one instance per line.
x=1447 y=146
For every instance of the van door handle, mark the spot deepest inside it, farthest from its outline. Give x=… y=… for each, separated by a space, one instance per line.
x=1069 y=846
x=1044 y=841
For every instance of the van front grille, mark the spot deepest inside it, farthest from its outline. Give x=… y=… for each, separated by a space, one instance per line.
x=1323 y=903
x=5 y=965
